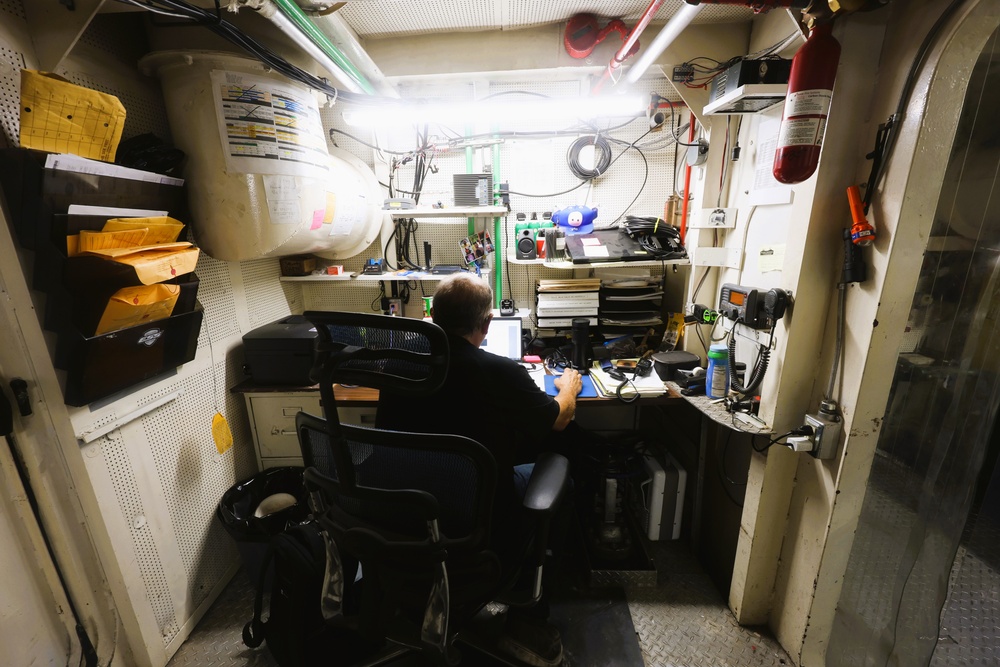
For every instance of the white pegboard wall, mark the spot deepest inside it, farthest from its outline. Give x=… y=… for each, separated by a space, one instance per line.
x=11 y=63
x=133 y=514
x=215 y=292
x=193 y=476
x=13 y=8
x=268 y=299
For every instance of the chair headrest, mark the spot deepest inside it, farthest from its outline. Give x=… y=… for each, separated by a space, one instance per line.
x=399 y=354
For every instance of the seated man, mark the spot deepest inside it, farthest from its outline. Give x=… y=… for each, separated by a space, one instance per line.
x=488 y=398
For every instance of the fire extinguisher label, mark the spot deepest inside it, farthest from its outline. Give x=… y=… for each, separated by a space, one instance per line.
x=802 y=132
x=808 y=103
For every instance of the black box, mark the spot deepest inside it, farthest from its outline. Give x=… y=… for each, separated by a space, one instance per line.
x=745 y=72
x=281 y=352
x=99 y=366
x=667 y=363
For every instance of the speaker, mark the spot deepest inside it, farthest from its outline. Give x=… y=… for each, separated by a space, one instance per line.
x=525 y=248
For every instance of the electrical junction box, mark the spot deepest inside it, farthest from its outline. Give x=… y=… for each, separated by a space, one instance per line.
x=657 y=497
x=749 y=86
x=709 y=218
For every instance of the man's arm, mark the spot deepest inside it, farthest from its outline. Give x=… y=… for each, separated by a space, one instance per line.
x=569 y=385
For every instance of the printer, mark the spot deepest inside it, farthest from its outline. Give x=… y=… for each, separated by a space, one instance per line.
x=281 y=352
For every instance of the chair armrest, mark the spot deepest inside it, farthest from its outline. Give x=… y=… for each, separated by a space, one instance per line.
x=548 y=484
x=546 y=489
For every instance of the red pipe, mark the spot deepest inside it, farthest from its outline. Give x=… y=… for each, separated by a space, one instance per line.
x=687 y=185
x=633 y=37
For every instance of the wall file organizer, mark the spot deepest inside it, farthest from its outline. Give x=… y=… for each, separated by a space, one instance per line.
x=77 y=289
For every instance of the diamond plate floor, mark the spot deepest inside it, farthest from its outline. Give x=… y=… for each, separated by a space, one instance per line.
x=681 y=622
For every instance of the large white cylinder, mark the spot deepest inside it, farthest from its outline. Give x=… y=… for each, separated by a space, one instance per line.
x=262 y=180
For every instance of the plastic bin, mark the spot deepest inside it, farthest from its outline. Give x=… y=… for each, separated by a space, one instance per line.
x=252 y=529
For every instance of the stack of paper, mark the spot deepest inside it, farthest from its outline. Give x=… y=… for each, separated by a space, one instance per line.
x=607 y=386
x=562 y=301
x=570 y=285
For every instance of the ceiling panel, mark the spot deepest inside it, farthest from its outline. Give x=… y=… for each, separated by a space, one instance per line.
x=386 y=18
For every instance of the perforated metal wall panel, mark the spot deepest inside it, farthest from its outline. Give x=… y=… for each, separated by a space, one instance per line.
x=215 y=292
x=146 y=551
x=11 y=63
x=12 y=7
x=385 y=18
x=268 y=299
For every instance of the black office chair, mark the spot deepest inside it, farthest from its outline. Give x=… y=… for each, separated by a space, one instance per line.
x=413 y=508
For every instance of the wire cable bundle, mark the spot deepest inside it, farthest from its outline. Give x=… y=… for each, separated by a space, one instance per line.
x=656 y=237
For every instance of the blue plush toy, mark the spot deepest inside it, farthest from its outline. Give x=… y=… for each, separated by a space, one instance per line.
x=575 y=219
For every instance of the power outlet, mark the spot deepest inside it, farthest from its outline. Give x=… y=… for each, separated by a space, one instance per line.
x=826 y=434
x=715 y=218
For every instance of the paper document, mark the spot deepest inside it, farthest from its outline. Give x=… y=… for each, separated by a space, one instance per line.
x=607 y=386
x=113 y=211
x=60 y=116
x=77 y=164
x=129 y=238
x=159 y=229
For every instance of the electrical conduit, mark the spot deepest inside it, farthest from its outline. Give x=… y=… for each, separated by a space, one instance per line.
x=633 y=37
x=665 y=38
x=346 y=40
x=293 y=22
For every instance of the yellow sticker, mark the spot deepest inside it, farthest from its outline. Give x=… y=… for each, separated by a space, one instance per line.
x=221 y=434
x=331 y=208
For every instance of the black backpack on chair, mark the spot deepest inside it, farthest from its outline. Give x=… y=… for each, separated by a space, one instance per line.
x=295 y=632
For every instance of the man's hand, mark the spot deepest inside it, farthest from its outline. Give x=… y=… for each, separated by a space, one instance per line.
x=569 y=385
x=569 y=381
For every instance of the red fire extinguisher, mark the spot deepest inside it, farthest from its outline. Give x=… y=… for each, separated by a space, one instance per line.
x=810 y=89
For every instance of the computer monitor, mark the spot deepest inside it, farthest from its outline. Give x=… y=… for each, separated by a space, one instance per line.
x=504 y=337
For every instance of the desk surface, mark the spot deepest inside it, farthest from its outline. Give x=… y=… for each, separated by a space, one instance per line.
x=367 y=397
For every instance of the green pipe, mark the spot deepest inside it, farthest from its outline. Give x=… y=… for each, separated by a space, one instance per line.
x=498 y=252
x=305 y=24
x=468 y=170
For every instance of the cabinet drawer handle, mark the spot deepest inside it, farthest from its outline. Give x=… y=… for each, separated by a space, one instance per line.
x=282 y=431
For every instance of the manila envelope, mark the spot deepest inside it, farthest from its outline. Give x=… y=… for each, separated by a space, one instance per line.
x=136 y=305
x=62 y=117
x=158 y=230
x=155 y=263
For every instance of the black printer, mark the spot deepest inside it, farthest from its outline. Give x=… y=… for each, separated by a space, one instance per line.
x=281 y=352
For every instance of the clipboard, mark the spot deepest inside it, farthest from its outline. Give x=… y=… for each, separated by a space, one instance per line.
x=588 y=390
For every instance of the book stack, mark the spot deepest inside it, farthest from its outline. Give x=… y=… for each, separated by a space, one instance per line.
x=633 y=302
x=560 y=301
x=607 y=386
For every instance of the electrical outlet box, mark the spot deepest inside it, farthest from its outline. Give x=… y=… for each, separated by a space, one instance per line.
x=826 y=435
x=714 y=218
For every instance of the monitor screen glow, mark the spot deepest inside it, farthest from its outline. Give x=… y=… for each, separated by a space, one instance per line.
x=504 y=337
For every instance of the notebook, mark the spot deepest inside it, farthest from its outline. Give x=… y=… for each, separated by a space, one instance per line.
x=609 y=245
x=504 y=338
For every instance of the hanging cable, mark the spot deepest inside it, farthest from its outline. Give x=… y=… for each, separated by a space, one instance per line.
x=752 y=379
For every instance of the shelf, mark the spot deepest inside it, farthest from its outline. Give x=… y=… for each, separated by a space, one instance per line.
x=371 y=277
x=318 y=278
x=596 y=265
x=453 y=212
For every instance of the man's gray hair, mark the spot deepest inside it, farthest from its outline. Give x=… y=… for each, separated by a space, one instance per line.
x=462 y=303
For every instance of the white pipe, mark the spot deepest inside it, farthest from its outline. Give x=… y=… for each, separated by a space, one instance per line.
x=345 y=39
x=270 y=11
x=671 y=29
x=91 y=434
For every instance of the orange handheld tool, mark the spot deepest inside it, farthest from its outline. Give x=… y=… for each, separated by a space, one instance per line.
x=862 y=233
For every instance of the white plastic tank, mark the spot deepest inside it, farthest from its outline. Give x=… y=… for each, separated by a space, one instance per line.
x=262 y=180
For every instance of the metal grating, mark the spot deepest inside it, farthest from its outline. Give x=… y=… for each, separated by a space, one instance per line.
x=123 y=36
x=154 y=577
x=215 y=291
x=11 y=63
x=268 y=299
x=385 y=18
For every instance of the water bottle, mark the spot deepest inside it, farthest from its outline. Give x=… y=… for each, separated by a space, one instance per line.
x=717 y=380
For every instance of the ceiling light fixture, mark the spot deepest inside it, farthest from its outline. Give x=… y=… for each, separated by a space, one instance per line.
x=498 y=111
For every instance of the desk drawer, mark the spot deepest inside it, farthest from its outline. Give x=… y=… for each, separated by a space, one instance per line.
x=274 y=421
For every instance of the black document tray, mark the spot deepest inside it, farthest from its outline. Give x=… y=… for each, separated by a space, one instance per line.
x=100 y=366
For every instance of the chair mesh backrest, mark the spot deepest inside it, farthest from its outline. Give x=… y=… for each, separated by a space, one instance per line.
x=454 y=478
x=397 y=353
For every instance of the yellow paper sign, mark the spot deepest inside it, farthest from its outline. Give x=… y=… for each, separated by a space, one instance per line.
x=62 y=117
x=221 y=434
x=129 y=238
